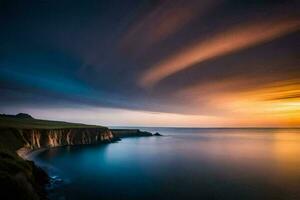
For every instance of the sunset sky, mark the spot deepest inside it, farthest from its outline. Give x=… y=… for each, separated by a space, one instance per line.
x=209 y=63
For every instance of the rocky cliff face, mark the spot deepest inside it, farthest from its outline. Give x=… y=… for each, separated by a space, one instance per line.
x=41 y=138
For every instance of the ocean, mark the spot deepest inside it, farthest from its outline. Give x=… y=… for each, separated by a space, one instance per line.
x=186 y=163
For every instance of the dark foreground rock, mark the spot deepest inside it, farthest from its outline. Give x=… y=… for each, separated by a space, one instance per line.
x=21 y=179
x=157 y=134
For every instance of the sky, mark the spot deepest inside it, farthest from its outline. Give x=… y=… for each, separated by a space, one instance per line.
x=209 y=63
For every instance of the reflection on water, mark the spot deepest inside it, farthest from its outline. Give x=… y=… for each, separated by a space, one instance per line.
x=185 y=164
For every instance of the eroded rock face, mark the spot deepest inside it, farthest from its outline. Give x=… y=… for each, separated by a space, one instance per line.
x=41 y=138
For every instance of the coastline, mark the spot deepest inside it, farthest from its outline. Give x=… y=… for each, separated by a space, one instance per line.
x=27 y=153
x=22 y=138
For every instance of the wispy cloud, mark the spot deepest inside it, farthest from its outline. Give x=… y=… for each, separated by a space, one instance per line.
x=229 y=41
x=165 y=19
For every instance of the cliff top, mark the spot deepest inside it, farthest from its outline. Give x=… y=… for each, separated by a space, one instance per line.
x=27 y=122
x=20 y=115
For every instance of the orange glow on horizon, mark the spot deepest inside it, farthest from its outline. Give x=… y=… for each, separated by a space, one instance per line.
x=276 y=104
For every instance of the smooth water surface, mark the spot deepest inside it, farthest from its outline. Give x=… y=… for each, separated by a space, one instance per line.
x=184 y=164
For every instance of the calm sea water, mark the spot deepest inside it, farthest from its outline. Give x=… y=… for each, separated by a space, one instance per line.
x=184 y=164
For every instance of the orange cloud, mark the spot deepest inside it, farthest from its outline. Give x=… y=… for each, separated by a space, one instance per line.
x=234 y=39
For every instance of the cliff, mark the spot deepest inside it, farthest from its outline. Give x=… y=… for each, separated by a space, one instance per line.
x=41 y=138
x=26 y=132
x=22 y=179
x=122 y=133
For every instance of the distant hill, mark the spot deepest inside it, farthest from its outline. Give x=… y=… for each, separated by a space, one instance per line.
x=20 y=115
x=24 y=116
x=26 y=121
